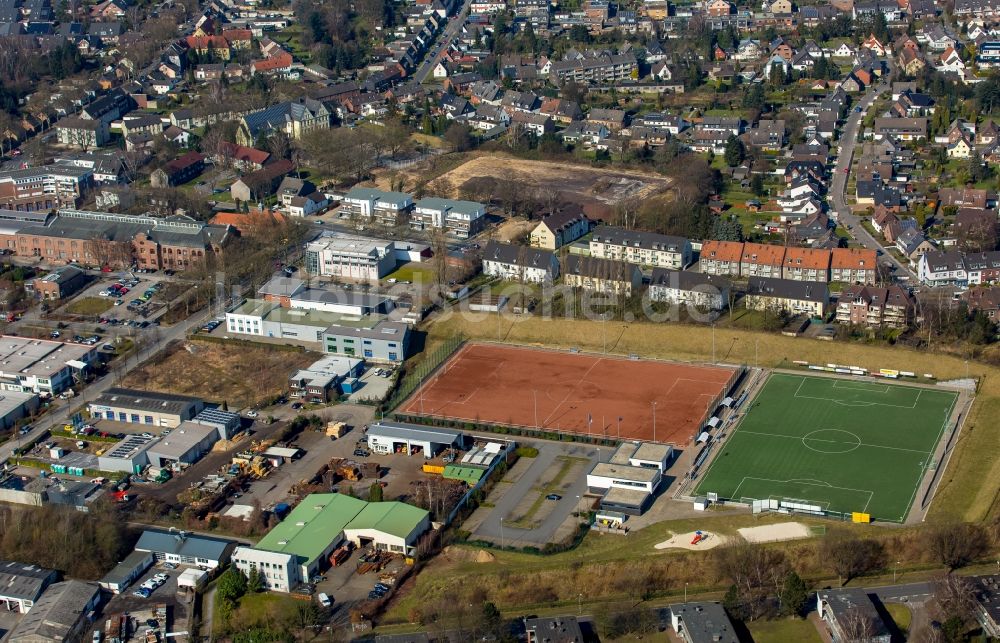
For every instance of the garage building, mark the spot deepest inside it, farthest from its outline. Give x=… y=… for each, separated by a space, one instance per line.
x=126 y=572
x=145 y=407
x=184 y=446
x=390 y=437
x=129 y=455
x=297 y=548
x=15 y=405
x=21 y=584
x=183 y=548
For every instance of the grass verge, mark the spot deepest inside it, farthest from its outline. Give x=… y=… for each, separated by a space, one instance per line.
x=89 y=306
x=780 y=631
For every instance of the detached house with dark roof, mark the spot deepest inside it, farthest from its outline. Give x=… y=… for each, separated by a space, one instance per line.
x=295 y=118
x=793 y=297
x=873 y=307
x=847 y=610
x=559 y=229
x=607 y=276
x=519 y=263
x=641 y=248
x=178 y=171
x=938 y=268
x=705 y=292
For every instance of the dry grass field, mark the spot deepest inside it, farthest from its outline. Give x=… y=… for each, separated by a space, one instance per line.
x=969 y=487
x=240 y=375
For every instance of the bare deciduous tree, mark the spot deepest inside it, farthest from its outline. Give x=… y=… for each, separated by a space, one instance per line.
x=956 y=545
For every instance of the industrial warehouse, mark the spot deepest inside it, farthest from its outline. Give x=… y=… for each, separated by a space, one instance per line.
x=396 y=437
x=145 y=407
x=297 y=548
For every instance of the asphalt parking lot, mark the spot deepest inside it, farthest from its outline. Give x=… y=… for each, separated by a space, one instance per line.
x=177 y=611
x=127 y=305
x=374 y=387
x=520 y=514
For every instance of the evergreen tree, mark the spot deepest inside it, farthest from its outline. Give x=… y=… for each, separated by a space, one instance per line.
x=754 y=97
x=794 y=595
x=735 y=152
x=978 y=171
x=255 y=581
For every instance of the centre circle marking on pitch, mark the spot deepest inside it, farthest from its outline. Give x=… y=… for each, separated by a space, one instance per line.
x=831 y=441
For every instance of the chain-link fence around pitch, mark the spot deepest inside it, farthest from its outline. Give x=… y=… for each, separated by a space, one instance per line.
x=413 y=377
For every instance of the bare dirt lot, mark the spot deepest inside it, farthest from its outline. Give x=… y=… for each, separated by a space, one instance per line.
x=239 y=374
x=593 y=188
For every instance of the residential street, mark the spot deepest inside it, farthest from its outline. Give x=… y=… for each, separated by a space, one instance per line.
x=838 y=187
x=453 y=29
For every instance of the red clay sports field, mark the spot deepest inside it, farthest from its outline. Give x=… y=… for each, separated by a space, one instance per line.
x=572 y=392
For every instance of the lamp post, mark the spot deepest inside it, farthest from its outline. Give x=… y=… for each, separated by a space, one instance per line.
x=579 y=604
x=501 y=532
x=685 y=593
x=654 y=421
x=894 y=572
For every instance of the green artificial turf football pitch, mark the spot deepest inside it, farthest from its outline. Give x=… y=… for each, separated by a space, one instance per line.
x=838 y=444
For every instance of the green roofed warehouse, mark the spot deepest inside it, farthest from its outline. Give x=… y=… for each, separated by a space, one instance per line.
x=297 y=548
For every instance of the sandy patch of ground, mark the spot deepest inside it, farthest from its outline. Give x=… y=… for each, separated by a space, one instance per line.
x=775 y=532
x=457 y=554
x=515 y=230
x=683 y=541
x=567 y=181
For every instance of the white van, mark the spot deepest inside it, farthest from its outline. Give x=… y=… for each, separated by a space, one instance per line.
x=324 y=600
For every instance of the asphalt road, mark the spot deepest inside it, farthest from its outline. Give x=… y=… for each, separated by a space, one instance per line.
x=452 y=30
x=838 y=187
